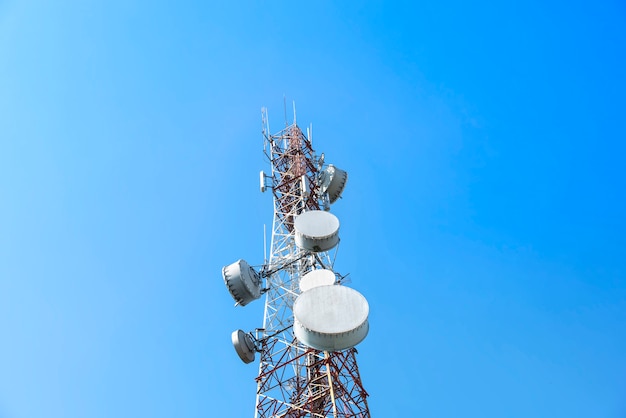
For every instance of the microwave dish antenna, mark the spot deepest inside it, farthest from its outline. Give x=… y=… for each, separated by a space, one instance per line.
x=331 y=318
x=244 y=345
x=242 y=281
x=333 y=180
x=316 y=230
x=315 y=278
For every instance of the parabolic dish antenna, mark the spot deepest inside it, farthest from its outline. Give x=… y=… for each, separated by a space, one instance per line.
x=244 y=284
x=244 y=346
x=333 y=181
x=314 y=278
x=316 y=230
x=330 y=318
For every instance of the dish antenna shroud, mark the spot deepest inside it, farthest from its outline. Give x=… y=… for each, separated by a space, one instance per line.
x=316 y=230
x=315 y=278
x=243 y=282
x=331 y=318
x=332 y=181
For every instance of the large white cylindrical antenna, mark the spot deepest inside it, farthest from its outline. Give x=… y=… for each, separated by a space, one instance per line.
x=331 y=318
x=316 y=230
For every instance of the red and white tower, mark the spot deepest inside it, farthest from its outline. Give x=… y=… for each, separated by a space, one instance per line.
x=312 y=322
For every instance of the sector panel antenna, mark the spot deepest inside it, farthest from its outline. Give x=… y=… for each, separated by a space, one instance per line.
x=242 y=281
x=262 y=181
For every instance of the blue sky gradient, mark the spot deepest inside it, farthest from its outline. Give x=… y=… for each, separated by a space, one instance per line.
x=483 y=218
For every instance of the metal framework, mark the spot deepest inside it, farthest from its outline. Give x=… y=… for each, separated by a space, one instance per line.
x=295 y=380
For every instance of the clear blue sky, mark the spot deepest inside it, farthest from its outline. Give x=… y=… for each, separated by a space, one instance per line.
x=484 y=218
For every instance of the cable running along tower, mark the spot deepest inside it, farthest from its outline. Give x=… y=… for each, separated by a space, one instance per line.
x=312 y=322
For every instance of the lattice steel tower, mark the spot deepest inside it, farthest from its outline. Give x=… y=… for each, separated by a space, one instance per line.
x=312 y=321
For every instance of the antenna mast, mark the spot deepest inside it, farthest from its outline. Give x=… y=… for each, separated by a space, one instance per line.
x=308 y=364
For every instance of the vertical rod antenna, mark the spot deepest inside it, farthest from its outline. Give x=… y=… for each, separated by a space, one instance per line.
x=264 y=244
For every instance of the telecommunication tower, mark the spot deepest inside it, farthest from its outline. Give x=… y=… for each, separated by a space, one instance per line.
x=312 y=322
